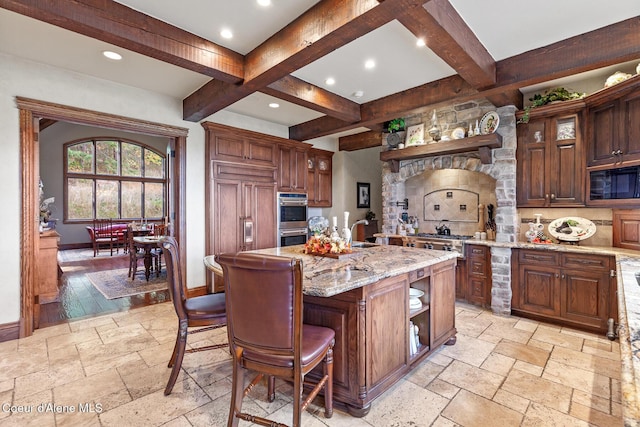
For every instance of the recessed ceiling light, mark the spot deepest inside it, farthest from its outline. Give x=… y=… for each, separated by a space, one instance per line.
x=369 y=64
x=274 y=105
x=358 y=94
x=264 y=2
x=421 y=43
x=112 y=55
x=330 y=81
x=226 y=33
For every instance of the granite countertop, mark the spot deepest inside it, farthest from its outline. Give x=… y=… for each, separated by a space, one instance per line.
x=325 y=277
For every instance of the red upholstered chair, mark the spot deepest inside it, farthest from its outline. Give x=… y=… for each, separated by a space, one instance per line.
x=205 y=310
x=103 y=235
x=266 y=333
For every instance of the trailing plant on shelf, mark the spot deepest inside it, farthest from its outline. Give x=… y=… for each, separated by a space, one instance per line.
x=395 y=125
x=551 y=95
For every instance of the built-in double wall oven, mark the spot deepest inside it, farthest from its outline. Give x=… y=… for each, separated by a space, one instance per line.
x=292 y=218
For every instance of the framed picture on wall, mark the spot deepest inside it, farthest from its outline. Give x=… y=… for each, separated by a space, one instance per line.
x=363 y=195
x=415 y=135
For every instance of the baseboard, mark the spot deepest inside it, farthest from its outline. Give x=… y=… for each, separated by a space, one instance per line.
x=196 y=292
x=69 y=246
x=9 y=331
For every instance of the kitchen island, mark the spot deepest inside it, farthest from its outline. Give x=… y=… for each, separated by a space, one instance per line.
x=364 y=298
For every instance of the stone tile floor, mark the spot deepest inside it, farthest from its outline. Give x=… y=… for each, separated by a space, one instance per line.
x=111 y=371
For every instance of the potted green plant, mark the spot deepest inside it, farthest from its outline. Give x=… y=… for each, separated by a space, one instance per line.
x=395 y=125
x=551 y=95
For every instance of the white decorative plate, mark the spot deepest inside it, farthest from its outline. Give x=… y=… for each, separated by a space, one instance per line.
x=457 y=133
x=415 y=293
x=572 y=228
x=489 y=123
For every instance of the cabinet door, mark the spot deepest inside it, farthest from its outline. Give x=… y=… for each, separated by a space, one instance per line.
x=603 y=134
x=626 y=229
x=538 y=289
x=630 y=142
x=227 y=202
x=259 y=207
x=479 y=274
x=443 y=298
x=311 y=180
x=532 y=164
x=259 y=152
x=585 y=297
x=567 y=162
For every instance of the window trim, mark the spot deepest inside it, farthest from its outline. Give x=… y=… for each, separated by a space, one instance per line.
x=118 y=178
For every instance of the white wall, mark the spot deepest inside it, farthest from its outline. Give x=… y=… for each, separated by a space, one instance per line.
x=33 y=80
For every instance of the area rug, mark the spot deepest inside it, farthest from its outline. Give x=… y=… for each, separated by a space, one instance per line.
x=116 y=284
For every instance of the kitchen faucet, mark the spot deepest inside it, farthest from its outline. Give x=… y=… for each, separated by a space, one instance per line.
x=362 y=221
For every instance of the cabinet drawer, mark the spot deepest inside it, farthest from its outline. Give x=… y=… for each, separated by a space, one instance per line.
x=538 y=257
x=477 y=267
x=477 y=251
x=418 y=274
x=581 y=261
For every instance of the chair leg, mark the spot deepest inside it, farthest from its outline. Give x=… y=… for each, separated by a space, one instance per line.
x=181 y=343
x=237 y=390
x=328 y=386
x=297 y=402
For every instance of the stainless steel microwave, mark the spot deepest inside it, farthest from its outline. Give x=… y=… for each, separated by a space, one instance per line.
x=615 y=184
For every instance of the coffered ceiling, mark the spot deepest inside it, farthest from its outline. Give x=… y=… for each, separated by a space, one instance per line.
x=284 y=53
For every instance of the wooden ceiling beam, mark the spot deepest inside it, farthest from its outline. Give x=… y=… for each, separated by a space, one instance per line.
x=114 y=23
x=360 y=141
x=297 y=91
x=323 y=28
x=449 y=37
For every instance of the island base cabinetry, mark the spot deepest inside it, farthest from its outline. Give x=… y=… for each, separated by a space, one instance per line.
x=372 y=350
x=573 y=289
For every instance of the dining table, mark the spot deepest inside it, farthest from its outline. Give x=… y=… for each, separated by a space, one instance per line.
x=148 y=243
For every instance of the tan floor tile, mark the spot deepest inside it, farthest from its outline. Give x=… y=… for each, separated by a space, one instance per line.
x=549 y=393
x=8 y=348
x=406 y=404
x=72 y=338
x=22 y=363
x=528 y=368
x=186 y=397
x=594 y=417
x=557 y=338
x=616 y=391
x=146 y=380
x=469 y=350
x=526 y=353
x=443 y=422
x=112 y=363
x=604 y=346
x=78 y=418
x=440 y=359
x=549 y=327
x=509 y=333
x=424 y=373
x=587 y=399
x=32 y=416
x=219 y=389
x=577 y=378
x=498 y=364
x=471 y=326
x=6 y=396
x=511 y=401
x=588 y=362
x=476 y=380
x=541 y=345
x=49 y=378
x=526 y=325
x=101 y=388
x=612 y=355
x=541 y=416
x=181 y=421
x=443 y=388
x=493 y=339
x=159 y=355
x=470 y=410
x=93 y=322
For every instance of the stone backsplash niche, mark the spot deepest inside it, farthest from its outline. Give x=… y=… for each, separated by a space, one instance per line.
x=502 y=170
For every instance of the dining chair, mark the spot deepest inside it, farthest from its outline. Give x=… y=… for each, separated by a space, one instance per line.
x=159 y=230
x=266 y=333
x=204 y=312
x=134 y=255
x=103 y=235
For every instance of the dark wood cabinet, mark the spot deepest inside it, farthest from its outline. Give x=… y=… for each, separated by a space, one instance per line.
x=626 y=229
x=614 y=128
x=478 y=269
x=319 y=178
x=240 y=192
x=550 y=161
x=567 y=288
x=292 y=167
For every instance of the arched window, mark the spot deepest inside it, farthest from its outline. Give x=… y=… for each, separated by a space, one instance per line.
x=113 y=178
